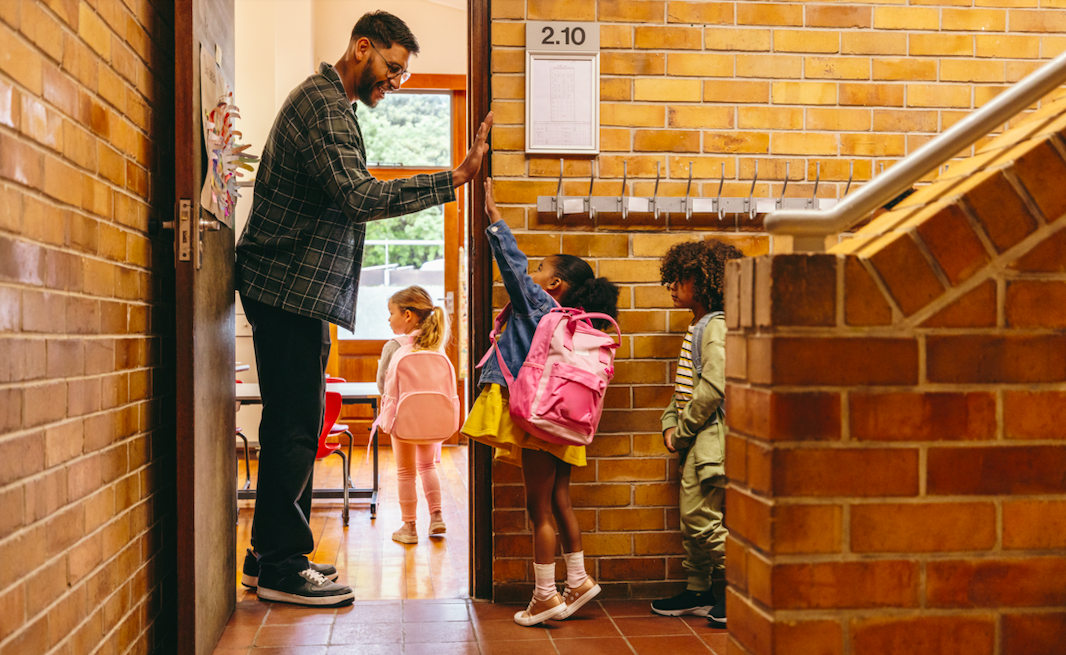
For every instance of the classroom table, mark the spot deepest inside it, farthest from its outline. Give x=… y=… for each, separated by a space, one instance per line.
x=352 y=393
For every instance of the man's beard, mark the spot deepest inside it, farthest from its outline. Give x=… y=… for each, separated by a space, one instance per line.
x=365 y=88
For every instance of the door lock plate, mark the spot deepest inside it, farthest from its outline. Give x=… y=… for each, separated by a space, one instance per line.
x=184 y=231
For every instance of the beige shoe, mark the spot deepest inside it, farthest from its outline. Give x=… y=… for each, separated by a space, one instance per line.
x=406 y=534
x=575 y=598
x=436 y=524
x=540 y=611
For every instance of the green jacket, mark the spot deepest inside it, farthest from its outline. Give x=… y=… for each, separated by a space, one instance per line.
x=701 y=425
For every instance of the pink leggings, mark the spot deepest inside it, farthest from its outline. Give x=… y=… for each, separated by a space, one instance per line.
x=406 y=456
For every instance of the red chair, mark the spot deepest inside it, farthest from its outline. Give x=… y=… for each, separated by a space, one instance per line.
x=340 y=428
x=325 y=449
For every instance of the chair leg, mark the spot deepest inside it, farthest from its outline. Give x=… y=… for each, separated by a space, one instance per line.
x=247 y=463
x=344 y=478
x=351 y=439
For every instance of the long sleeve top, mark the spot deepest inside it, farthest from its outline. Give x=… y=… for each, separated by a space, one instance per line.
x=302 y=248
x=700 y=425
x=529 y=303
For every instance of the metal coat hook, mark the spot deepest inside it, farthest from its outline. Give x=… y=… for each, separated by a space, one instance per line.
x=655 y=194
x=783 y=188
x=588 y=201
x=718 y=203
x=622 y=199
x=688 y=195
x=559 y=193
x=851 y=174
x=751 y=192
x=817 y=178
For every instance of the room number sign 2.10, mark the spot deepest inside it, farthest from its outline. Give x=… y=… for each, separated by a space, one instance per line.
x=562 y=36
x=567 y=36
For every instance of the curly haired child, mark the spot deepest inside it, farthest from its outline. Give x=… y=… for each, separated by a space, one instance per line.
x=570 y=282
x=694 y=424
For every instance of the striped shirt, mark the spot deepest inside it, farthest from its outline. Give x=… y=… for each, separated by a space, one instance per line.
x=302 y=249
x=683 y=383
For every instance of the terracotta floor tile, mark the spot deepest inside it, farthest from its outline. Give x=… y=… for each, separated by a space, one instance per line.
x=508 y=631
x=611 y=646
x=230 y=651
x=659 y=625
x=238 y=636
x=718 y=642
x=520 y=648
x=423 y=611
x=618 y=608
x=290 y=650
x=366 y=633
x=367 y=649
x=494 y=611
x=293 y=615
x=455 y=648
x=375 y=612
x=668 y=645
x=292 y=635
x=250 y=613
x=589 y=611
x=580 y=628
x=438 y=632
x=700 y=625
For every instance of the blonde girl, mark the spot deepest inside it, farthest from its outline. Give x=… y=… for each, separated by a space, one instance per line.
x=412 y=313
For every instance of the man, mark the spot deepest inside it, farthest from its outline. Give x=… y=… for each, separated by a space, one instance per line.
x=298 y=265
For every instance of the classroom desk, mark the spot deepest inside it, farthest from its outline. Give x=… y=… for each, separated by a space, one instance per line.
x=352 y=393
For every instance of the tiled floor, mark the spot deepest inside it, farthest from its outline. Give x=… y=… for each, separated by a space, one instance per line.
x=413 y=600
x=461 y=627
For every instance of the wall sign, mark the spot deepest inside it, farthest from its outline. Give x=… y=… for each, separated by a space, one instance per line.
x=562 y=88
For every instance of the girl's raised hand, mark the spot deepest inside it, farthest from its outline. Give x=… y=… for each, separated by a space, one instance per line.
x=490 y=203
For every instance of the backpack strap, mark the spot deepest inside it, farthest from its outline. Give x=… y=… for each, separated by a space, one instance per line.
x=697 y=344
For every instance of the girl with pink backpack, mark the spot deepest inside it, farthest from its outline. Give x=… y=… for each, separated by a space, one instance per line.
x=419 y=407
x=546 y=461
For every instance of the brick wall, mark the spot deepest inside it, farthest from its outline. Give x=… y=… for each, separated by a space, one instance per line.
x=720 y=83
x=85 y=437
x=896 y=449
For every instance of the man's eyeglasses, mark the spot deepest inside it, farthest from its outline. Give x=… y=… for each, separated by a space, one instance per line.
x=395 y=70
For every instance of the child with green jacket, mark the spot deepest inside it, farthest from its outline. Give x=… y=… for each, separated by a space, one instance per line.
x=694 y=424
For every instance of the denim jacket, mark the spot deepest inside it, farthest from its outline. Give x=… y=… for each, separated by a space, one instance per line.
x=529 y=303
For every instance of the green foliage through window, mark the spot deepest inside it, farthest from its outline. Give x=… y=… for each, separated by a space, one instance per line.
x=413 y=129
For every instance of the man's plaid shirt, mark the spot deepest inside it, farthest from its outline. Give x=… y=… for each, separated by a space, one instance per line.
x=302 y=248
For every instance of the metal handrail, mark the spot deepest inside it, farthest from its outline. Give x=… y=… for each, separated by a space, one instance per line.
x=810 y=227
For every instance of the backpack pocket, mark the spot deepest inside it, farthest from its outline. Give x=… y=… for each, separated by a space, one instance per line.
x=572 y=398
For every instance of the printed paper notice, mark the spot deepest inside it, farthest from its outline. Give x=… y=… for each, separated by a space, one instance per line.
x=562 y=105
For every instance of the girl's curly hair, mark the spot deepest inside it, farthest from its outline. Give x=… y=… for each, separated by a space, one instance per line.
x=703 y=262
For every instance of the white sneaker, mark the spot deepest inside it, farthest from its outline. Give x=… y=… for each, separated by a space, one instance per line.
x=575 y=598
x=540 y=611
x=308 y=587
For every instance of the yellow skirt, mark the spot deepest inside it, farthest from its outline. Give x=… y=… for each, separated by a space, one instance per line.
x=490 y=423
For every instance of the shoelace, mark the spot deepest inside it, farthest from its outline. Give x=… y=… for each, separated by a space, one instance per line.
x=314 y=577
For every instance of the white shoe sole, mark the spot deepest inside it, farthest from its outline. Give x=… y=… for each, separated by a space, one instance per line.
x=717 y=623
x=691 y=611
x=437 y=531
x=527 y=621
x=296 y=599
x=252 y=581
x=579 y=603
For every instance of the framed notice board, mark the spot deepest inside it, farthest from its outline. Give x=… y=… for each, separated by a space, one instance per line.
x=562 y=88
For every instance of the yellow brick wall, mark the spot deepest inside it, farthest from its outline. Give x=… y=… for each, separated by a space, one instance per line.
x=715 y=83
x=85 y=451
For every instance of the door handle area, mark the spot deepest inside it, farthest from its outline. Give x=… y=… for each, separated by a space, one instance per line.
x=210 y=225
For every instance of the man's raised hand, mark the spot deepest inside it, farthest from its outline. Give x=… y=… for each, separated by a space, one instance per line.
x=472 y=164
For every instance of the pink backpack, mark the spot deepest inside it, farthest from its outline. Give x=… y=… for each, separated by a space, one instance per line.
x=558 y=394
x=419 y=403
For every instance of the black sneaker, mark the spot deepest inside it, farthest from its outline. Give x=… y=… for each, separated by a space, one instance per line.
x=305 y=588
x=696 y=603
x=250 y=570
x=717 y=613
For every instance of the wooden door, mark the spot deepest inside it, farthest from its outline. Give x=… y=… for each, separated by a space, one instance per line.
x=204 y=345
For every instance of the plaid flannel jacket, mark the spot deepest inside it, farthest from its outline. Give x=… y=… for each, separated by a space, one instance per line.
x=302 y=248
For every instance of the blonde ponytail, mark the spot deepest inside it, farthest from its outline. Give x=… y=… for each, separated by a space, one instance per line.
x=432 y=321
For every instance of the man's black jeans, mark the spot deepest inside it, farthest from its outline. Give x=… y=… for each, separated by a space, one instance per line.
x=291 y=352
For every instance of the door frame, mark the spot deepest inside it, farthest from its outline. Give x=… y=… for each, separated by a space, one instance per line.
x=479 y=78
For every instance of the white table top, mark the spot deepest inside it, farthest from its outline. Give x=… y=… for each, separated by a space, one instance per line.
x=249 y=392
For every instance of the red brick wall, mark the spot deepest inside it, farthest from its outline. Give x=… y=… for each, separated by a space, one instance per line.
x=793 y=84
x=85 y=434
x=896 y=449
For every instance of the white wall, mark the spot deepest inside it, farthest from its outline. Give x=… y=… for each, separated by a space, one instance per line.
x=281 y=42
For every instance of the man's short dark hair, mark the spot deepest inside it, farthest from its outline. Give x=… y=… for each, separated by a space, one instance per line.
x=384 y=29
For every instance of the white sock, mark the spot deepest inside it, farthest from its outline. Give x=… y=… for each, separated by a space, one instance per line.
x=544 y=574
x=575 y=569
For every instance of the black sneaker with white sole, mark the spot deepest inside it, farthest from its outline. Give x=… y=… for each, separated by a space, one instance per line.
x=305 y=588
x=717 y=613
x=250 y=570
x=696 y=603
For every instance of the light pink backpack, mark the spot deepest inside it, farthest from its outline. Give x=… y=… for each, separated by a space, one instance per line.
x=558 y=394
x=419 y=403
